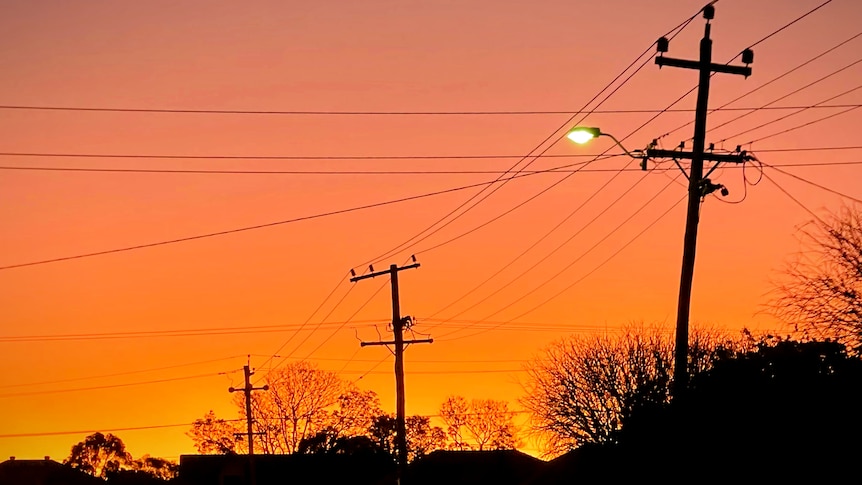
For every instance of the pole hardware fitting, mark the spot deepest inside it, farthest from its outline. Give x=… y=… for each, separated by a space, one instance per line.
x=707 y=187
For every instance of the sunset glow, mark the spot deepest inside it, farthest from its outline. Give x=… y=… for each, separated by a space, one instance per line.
x=231 y=162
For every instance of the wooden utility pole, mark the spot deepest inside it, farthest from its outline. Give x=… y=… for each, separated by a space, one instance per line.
x=398 y=326
x=698 y=185
x=248 y=418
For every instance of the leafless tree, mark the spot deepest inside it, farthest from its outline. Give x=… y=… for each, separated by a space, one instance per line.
x=483 y=424
x=820 y=293
x=294 y=407
x=581 y=387
x=212 y=435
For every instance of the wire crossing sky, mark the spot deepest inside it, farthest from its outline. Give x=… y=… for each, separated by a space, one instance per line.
x=202 y=185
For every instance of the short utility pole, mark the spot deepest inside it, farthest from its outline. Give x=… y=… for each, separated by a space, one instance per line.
x=398 y=326
x=248 y=418
x=698 y=185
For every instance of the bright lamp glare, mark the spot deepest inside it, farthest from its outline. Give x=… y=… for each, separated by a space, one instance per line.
x=580 y=136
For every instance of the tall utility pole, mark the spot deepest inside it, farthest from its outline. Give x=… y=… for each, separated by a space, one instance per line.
x=698 y=185
x=398 y=326
x=247 y=391
x=252 y=479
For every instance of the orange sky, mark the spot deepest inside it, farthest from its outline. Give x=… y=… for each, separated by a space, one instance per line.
x=369 y=56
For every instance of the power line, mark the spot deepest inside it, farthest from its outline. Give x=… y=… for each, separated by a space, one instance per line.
x=800 y=126
x=532 y=246
x=100 y=430
x=623 y=139
x=553 y=251
x=575 y=260
x=189 y=332
x=782 y=118
x=682 y=97
x=396 y=172
x=692 y=90
x=110 y=386
x=117 y=374
x=332 y=113
x=813 y=83
x=258 y=226
x=345 y=158
x=344 y=113
x=455 y=214
x=573 y=284
x=506 y=212
x=813 y=184
x=276 y=157
x=725 y=106
x=445 y=372
x=653 y=118
x=439 y=224
x=791 y=197
x=337 y=329
x=780 y=29
x=341 y=281
x=361 y=307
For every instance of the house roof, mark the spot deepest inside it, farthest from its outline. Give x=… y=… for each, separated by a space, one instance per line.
x=43 y=472
x=498 y=467
x=279 y=469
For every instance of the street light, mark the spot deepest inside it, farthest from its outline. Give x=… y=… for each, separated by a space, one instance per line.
x=583 y=134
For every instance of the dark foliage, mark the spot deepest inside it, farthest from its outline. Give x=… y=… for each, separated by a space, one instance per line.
x=788 y=410
x=327 y=443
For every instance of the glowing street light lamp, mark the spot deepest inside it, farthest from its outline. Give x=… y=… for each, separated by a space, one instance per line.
x=583 y=134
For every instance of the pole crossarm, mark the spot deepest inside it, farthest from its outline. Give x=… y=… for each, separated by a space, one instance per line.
x=697 y=65
x=384 y=272
x=392 y=342
x=740 y=157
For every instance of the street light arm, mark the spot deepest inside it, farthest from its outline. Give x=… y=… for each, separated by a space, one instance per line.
x=636 y=154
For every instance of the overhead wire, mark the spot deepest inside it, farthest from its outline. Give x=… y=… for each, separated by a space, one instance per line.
x=188 y=332
x=800 y=110
x=782 y=118
x=794 y=128
x=275 y=157
x=258 y=226
x=558 y=169
x=785 y=26
x=791 y=197
x=575 y=260
x=109 y=386
x=116 y=374
x=504 y=213
x=340 y=327
x=332 y=334
x=341 y=113
x=414 y=238
x=551 y=253
x=725 y=106
x=677 y=30
x=455 y=214
x=386 y=173
x=670 y=106
x=813 y=184
x=573 y=284
x=100 y=430
x=308 y=320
